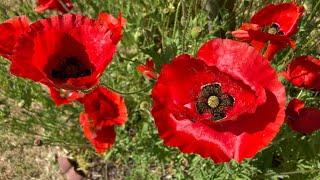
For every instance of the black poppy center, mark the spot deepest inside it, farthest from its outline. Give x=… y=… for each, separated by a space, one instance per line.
x=70 y=67
x=212 y=100
x=274 y=29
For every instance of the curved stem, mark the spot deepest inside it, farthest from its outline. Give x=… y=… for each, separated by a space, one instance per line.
x=128 y=93
x=126 y=59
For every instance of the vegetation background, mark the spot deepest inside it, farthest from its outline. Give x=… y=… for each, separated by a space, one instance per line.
x=158 y=29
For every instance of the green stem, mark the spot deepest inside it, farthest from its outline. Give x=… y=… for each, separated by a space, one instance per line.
x=128 y=93
x=300 y=94
x=313 y=11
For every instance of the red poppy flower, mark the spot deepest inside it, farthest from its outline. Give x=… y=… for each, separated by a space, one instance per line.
x=10 y=31
x=67 y=52
x=102 y=138
x=225 y=104
x=105 y=107
x=302 y=119
x=60 y=5
x=304 y=72
x=148 y=69
x=271 y=27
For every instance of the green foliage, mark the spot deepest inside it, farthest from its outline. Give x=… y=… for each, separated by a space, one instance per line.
x=160 y=29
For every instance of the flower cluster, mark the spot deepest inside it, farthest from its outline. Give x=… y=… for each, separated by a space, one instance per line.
x=68 y=54
x=225 y=103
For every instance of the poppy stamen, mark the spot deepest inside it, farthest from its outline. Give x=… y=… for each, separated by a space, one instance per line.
x=273 y=29
x=212 y=100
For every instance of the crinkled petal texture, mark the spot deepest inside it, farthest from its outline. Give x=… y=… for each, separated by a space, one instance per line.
x=272 y=26
x=102 y=138
x=286 y=15
x=302 y=119
x=248 y=125
x=115 y=25
x=64 y=52
x=304 y=72
x=105 y=108
x=59 y=5
x=10 y=31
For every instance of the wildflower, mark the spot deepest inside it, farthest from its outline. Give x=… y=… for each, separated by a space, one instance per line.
x=104 y=109
x=272 y=28
x=63 y=6
x=102 y=138
x=304 y=72
x=67 y=53
x=148 y=69
x=224 y=104
x=11 y=30
x=302 y=119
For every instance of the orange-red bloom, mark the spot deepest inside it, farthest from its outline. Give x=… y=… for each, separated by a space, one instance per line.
x=102 y=138
x=59 y=5
x=226 y=103
x=104 y=109
x=148 y=69
x=10 y=31
x=304 y=72
x=302 y=119
x=272 y=28
x=67 y=53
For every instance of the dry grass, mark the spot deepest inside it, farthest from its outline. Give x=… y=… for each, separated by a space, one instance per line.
x=26 y=162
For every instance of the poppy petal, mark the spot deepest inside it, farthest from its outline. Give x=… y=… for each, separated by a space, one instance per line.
x=271 y=28
x=304 y=71
x=302 y=119
x=43 y=50
x=231 y=66
x=115 y=25
x=148 y=69
x=61 y=5
x=102 y=138
x=105 y=108
x=10 y=31
x=286 y=15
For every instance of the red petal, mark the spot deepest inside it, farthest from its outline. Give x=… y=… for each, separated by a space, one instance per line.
x=286 y=15
x=304 y=72
x=271 y=50
x=10 y=31
x=241 y=35
x=105 y=107
x=258 y=45
x=301 y=119
x=60 y=5
x=186 y=76
x=148 y=69
x=245 y=66
x=101 y=138
x=113 y=24
x=238 y=66
x=53 y=40
x=64 y=97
